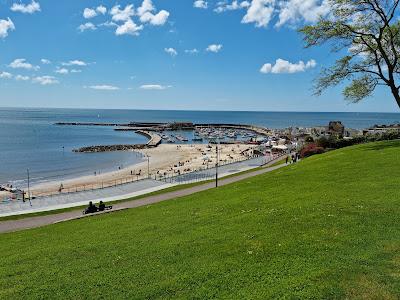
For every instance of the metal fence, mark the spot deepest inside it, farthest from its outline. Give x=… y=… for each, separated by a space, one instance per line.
x=225 y=168
x=201 y=174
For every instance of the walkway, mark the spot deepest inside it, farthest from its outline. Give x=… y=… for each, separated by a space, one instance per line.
x=75 y=199
x=122 y=191
x=32 y=222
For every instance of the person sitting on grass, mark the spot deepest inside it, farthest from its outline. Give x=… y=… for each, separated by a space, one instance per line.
x=102 y=206
x=91 y=208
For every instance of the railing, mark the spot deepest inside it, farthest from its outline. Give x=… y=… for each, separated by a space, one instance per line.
x=207 y=173
x=200 y=174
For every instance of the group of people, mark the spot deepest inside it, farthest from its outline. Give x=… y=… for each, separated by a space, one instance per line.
x=294 y=158
x=92 y=208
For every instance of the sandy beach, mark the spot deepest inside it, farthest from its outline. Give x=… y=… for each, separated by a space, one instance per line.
x=164 y=160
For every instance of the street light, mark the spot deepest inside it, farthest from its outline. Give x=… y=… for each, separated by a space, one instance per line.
x=216 y=168
x=216 y=141
x=29 y=191
x=148 y=166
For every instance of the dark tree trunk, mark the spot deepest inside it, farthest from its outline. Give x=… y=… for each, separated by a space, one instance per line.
x=396 y=94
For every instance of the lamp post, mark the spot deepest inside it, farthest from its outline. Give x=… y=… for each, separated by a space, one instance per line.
x=148 y=166
x=216 y=168
x=29 y=191
x=217 y=162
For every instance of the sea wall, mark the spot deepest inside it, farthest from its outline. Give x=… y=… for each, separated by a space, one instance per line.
x=109 y=148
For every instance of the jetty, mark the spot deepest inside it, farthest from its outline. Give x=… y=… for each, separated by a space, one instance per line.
x=154 y=139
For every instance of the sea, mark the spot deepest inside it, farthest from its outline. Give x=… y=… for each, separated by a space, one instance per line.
x=30 y=140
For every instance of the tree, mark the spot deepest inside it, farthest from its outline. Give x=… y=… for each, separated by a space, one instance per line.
x=368 y=33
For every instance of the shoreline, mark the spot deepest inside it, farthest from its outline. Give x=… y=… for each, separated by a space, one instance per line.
x=164 y=160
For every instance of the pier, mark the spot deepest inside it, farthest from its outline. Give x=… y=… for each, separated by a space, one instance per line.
x=155 y=139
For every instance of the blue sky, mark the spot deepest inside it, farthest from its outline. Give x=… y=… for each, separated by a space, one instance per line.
x=165 y=54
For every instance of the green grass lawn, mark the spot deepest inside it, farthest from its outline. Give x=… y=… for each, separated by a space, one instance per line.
x=327 y=227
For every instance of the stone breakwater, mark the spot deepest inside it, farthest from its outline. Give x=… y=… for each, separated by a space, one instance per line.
x=154 y=141
x=109 y=148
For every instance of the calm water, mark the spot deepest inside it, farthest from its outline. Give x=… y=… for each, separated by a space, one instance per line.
x=29 y=138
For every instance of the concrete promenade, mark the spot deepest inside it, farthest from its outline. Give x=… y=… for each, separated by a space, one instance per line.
x=33 y=222
x=123 y=191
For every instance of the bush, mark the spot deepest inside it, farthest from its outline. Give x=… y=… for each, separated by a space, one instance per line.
x=323 y=142
x=309 y=139
x=311 y=149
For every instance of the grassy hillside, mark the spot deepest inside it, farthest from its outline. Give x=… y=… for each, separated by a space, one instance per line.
x=328 y=227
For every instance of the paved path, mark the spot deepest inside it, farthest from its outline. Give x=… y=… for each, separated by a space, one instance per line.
x=76 y=199
x=119 y=192
x=32 y=222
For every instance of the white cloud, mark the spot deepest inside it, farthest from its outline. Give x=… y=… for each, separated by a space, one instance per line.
x=171 y=51
x=108 y=24
x=45 y=61
x=284 y=66
x=259 y=12
x=146 y=15
x=192 y=51
x=293 y=11
x=89 y=13
x=215 y=48
x=155 y=87
x=62 y=71
x=122 y=15
x=147 y=5
x=5 y=27
x=158 y=19
x=26 y=8
x=22 y=78
x=76 y=71
x=5 y=75
x=21 y=63
x=45 y=80
x=235 y=5
x=103 y=87
x=87 y=26
x=200 y=4
x=129 y=27
x=79 y=63
x=101 y=9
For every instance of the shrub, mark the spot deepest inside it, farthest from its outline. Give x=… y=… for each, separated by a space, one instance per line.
x=311 y=149
x=323 y=142
x=309 y=139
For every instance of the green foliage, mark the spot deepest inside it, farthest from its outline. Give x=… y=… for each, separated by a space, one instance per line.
x=325 y=228
x=360 y=88
x=309 y=139
x=337 y=143
x=369 y=31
